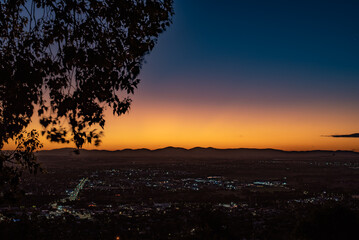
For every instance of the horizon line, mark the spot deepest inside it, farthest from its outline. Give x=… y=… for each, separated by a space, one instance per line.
x=184 y=148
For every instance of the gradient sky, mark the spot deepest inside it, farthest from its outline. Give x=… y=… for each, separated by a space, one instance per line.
x=258 y=74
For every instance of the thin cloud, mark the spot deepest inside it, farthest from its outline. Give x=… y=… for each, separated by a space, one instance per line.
x=354 y=135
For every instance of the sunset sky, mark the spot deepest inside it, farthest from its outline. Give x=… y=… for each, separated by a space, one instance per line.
x=256 y=74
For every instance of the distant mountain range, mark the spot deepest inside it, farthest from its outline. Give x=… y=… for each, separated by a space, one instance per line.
x=198 y=152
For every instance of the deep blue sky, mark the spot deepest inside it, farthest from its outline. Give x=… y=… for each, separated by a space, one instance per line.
x=289 y=48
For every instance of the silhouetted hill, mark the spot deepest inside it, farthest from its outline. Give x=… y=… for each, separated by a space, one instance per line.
x=198 y=152
x=66 y=157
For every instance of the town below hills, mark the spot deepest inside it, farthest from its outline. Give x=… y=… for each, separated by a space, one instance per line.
x=188 y=194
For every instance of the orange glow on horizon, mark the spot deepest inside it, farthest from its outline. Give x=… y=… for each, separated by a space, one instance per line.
x=153 y=125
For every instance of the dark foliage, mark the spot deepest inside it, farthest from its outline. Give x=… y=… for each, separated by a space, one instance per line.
x=69 y=61
x=13 y=163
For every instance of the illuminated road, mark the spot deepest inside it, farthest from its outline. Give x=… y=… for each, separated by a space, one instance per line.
x=74 y=194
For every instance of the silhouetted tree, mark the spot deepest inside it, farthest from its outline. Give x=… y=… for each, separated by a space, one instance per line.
x=69 y=60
